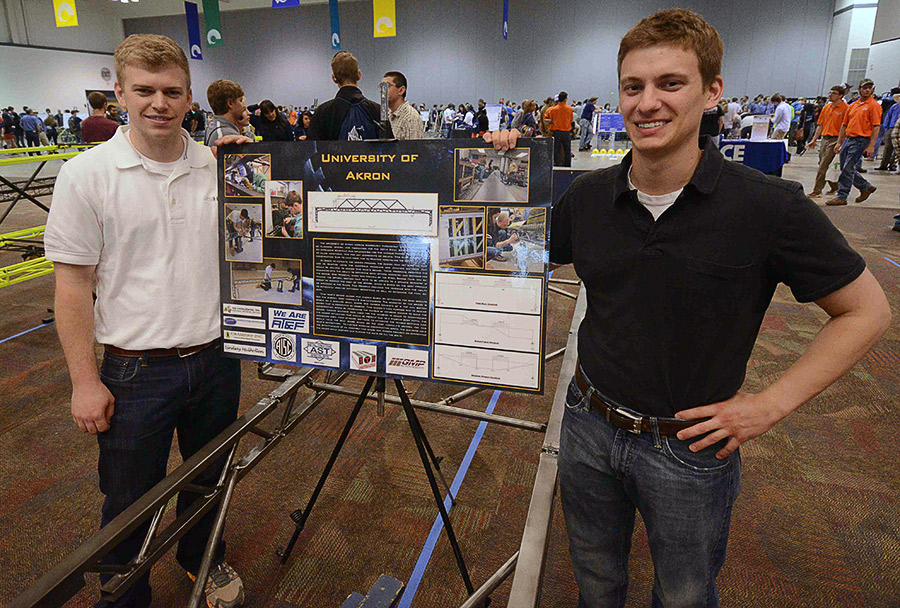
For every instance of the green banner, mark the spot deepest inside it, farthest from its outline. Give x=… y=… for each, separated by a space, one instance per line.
x=213 y=23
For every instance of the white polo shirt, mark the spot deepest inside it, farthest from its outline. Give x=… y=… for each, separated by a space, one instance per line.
x=152 y=237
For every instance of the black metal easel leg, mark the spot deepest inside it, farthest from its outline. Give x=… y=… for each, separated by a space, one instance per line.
x=299 y=516
x=419 y=435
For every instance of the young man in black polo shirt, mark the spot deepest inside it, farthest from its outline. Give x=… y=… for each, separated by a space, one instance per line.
x=680 y=252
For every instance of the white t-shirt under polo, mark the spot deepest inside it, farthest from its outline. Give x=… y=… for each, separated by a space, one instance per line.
x=153 y=238
x=656 y=204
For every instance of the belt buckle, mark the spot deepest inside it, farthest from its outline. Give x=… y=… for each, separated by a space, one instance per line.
x=634 y=417
x=187 y=352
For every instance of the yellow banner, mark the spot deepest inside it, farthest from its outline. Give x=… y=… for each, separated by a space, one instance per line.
x=385 y=18
x=65 y=13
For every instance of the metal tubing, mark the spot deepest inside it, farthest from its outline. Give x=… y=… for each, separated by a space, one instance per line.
x=565 y=281
x=56 y=586
x=22 y=194
x=218 y=526
x=154 y=524
x=526 y=585
x=562 y=292
x=477 y=599
x=457 y=397
x=443 y=409
x=554 y=354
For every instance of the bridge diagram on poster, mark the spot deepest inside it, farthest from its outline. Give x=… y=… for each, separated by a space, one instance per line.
x=394 y=213
x=484 y=366
x=488 y=292
x=488 y=329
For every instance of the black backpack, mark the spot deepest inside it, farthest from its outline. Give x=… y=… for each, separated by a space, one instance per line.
x=357 y=125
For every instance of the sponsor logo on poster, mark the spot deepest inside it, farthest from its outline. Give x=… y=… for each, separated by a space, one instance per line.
x=363 y=357
x=242 y=309
x=244 y=349
x=284 y=347
x=296 y=321
x=229 y=322
x=407 y=362
x=320 y=352
x=245 y=336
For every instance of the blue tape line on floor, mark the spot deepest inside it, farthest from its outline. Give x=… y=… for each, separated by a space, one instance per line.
x=27 y=331
x=409 y=593
x=425 y=556
x=893 y=262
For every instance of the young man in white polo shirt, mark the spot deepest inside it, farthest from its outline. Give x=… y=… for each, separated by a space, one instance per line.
x=135 y=221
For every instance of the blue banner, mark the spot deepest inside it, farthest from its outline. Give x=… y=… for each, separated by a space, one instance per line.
x=193 y=27
x=285 y=3
x=505 y=18
x=335 y=25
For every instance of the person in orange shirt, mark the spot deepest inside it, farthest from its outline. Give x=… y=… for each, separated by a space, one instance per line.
x=829 y=127
x=857 y=137
x=560 y=119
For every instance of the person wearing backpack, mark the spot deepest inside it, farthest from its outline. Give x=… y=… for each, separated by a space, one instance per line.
x=349 y=116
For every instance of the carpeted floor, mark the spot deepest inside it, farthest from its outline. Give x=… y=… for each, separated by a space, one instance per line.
x=817 y=523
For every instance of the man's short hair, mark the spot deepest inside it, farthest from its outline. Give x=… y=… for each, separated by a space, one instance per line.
x=220 y=92
x=682 y=28
x=97 y=100
x=398 y=78
x=777 y=98
x=151 y=52
x=345 y=68
x=562 y=96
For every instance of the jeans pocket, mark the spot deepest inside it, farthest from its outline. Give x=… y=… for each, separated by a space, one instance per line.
x=704 y=461
x=575 y=401
x=117 y=369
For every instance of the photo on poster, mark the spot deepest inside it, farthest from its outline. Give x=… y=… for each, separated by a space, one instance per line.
x=395 y=213
x=284 y=209
x=272 y=281
x=243 y=232
x=461 y=237
x=485 y=175
x=516 y=239
x=246 y=174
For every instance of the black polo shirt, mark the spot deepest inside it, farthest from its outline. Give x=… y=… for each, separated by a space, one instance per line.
x=674 y=306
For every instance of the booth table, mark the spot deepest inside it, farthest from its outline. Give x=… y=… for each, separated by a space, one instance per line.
x=766 y=155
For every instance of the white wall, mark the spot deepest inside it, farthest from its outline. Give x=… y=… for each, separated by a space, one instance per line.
x=884 y=65
x=99 y=25
x=851 y=29
x=453 y=51
x=56 y=79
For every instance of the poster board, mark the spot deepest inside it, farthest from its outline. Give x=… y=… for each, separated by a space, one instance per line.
x=421 y=259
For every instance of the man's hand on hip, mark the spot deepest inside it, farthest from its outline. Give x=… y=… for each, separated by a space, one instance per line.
x=92 y=407
x=740 y=419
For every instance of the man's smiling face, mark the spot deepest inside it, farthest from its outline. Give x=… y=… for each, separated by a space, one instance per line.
x=662 y=97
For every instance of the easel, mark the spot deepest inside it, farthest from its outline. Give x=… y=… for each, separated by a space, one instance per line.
x=429 y=462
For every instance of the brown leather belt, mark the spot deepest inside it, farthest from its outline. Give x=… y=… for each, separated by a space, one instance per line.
x=186 y=351
x=626 y=419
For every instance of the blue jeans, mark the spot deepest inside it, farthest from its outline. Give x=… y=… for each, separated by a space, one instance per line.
x=587 y=133
x=198 y=396
x=685 y=500
x=851 y=159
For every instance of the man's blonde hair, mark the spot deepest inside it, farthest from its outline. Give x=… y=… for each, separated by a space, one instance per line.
x=151 y=52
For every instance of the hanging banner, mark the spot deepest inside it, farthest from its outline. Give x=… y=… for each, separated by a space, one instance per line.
x=385 y=16
x=65 y=13
x=505 y=18
x=285 y=3
x=193 y=27
x=335 y=25
x=213 y=23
